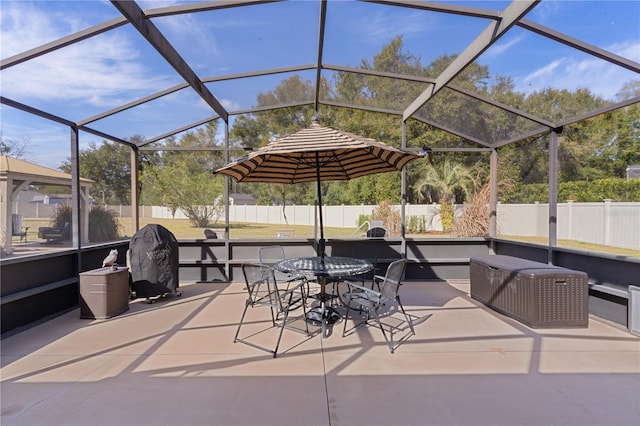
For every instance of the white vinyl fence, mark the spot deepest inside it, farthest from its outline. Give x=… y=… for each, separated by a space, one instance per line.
x=333 y=216
x=608 y=223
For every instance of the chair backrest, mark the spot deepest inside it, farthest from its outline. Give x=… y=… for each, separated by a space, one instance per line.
x=256 y=278
x=376 y=224
x=392 y=279
x=16 y=222
x=270 y=255
x=64 y=229
x=376 y=233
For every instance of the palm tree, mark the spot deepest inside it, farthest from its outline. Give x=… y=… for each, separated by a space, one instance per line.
x=443 y=181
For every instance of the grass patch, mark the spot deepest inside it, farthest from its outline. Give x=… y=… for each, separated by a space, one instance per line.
x=577 y=245
x=182 y=228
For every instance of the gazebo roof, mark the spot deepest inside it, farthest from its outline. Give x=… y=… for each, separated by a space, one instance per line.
x=16 y=175
x=33 y=173
x=191 y=63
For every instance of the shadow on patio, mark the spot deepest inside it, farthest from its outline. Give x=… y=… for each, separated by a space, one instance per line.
x=173 y=362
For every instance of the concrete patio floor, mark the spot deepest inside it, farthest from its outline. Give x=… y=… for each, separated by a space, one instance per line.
x=174 y=363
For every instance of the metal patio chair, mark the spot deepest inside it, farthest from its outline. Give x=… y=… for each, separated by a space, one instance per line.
x=17 y=230
x=373 y=304
x=269 y=256
x=262 y=291
x=365 y=252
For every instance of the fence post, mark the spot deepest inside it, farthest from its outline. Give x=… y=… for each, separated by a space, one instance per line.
x=569 y=219
x=607 y=221
x=536 y=218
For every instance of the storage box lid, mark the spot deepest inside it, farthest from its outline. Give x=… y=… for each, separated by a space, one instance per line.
x=523 y=266
x=105 y=271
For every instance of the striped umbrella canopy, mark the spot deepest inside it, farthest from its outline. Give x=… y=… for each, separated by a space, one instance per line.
x=317 y=153
x=299 y=157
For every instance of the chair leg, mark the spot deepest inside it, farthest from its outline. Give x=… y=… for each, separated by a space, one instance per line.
x=360 y=309
x=304 y=309
x=285 y=313
x=346 y=316
x=384 y=333
x=282 y=326
x=405 y=315
x=244 y=312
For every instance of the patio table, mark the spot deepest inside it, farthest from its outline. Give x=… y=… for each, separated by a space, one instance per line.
x=324 y=269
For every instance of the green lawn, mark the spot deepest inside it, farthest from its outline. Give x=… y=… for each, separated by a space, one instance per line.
x=182 y=228
x=577 y=245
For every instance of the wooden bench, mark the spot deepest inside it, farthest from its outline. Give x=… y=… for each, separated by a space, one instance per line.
x=534 y=293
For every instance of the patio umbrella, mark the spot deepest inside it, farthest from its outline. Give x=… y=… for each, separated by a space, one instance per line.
x=317 y=153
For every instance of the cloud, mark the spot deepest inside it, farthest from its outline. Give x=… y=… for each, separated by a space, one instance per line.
x=547 y=10
x=545 y=73
x=382 y=27
x=198 y=39
x=47 y=143
x=23 y=27
x=627 y=49
x=573 y=72
x=500 y=48
x=102 y=71
x=230 y=105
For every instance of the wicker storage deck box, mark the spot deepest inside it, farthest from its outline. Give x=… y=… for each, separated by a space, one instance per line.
x=536 y=294
x=104 y=293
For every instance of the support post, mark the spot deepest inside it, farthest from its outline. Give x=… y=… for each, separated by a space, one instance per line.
x=135 y=188
x=6 y=190
x=227 y=266
x=553 y=193
x=493 y=198
x=403 y=200
x=75 y=194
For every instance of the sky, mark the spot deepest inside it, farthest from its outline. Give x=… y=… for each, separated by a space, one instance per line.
x=102 y=72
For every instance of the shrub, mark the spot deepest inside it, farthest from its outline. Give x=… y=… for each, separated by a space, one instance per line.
x=103 y=224
x=447 y=216
x=389 y=216
x=362 y=219
x=416 y=224
x=61 y=215
x=474 y=221
x=617 y=189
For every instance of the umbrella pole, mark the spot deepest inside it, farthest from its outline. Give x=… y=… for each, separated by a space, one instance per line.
x=321 y=242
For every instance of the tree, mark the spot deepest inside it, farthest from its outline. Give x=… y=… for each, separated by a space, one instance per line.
x=628 y=90
x=597 y=148
x=109 y=166
x=13 y=148
x=257 y=130
x=618 y=142
x=196 y=193
x=440 y=183
x=182 y=178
